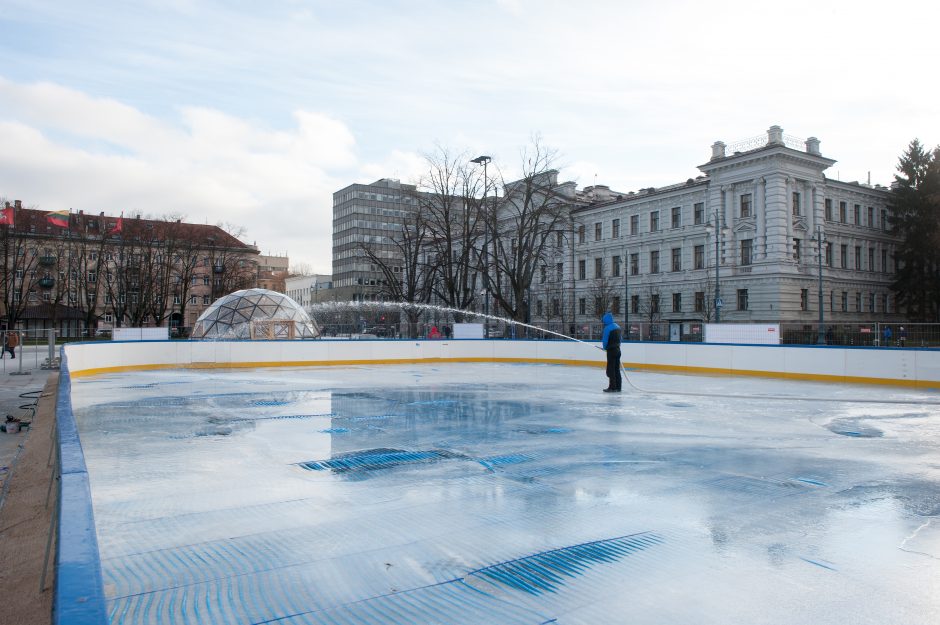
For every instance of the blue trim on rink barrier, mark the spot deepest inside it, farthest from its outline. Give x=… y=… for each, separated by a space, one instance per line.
x=79 y=589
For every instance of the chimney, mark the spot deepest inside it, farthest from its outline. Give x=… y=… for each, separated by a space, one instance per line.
x=775 y=135
x=812 y=146
x=17 y=204
x=81 y=212
x=718 y=150
x=8 y=205
x=101 y=214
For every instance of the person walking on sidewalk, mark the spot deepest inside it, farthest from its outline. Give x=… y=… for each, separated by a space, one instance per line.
x=11 y=343
x=610 y=343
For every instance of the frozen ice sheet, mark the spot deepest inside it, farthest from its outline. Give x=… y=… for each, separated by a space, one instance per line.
x=494 y=493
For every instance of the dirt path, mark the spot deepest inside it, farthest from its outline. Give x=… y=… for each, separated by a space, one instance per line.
x=24 y=522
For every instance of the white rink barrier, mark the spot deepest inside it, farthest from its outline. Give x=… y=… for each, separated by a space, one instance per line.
x=869 y=365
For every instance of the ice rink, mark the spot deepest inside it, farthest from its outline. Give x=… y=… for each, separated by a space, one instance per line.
x=501 y=494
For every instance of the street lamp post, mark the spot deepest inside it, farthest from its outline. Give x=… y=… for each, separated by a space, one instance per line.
x=820 y=239
x=716 y=230
x=485 y=160
x=626 y=294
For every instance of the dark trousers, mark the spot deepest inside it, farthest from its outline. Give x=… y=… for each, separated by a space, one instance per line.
x=613 y=369
x=11 y=350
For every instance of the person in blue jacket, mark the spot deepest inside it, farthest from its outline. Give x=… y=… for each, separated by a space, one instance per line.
x=610 y=343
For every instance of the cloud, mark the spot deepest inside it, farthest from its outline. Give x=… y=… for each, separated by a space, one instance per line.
x=64 y=148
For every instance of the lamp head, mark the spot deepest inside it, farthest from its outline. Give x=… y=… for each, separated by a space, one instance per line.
x=481 y=160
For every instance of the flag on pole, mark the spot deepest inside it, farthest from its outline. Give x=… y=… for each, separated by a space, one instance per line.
x=119 y=226
x=6 y=216
x=58 y=218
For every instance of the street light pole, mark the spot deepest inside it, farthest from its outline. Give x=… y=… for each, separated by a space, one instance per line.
x=820 y=239
x=626 y=294
x=485 y=160
x=716 y=230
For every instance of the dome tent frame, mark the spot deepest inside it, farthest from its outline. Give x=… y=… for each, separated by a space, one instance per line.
x=255 y=314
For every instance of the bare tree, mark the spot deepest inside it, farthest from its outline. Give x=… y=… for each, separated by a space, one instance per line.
x=21 y=273
x=526 y=222
x=455 y=226
x=412 y=281
x=603 y=291
x=651 y=305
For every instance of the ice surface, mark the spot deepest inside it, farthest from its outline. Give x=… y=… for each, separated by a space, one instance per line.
x=495 y=493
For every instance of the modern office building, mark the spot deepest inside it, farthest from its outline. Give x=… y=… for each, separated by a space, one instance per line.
x=309 y=291
x=364 y=214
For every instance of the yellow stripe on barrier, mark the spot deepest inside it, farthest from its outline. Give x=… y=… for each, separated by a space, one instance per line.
x=682 y=369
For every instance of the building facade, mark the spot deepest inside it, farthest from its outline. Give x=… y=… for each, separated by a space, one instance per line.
x=745 y=241
x=365 y=214
x=308 y=291
x=79 y=272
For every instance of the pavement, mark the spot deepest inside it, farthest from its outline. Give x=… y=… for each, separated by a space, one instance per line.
x=23 y=375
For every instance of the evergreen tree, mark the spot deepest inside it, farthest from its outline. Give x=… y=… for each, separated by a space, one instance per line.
x=915 y=210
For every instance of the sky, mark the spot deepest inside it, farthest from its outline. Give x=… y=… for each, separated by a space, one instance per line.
x=251 y=114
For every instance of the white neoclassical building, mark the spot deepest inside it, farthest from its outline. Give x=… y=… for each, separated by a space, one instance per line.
x=763 y=215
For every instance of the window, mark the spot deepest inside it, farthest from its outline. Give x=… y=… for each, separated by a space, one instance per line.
x=871 y=302
x=858 y=301
x=205 y=300
x=884 y=260
x=699 y=301
x=884 y=219
x=635 y=304
x=192 y=300
x=538 y=308
x=598 y=267
x=699 y=213
x=654 y=261
x=871 y=259
x=677 y=259
x=634 y=264
x=747 y=246
x=804 y=299
x=842 y=209
x=828 y=204
x=699 y=256
x=581 y=233
x=858 y=214
x=598 y=230
x=654 y=303
x=844 y=256
x=582 y=269
x=598 y=307
x=615 y=306
x=858 y=257
x=828 y=254
x=676 y=216
x=615 y=266
x=92 y=276
x=745 y=205
x=559 y=239
x=582 y=306
x=634 y=224
x=543 y=274
x=884 y=302
x=205 y=280
x=797 y=208
x=742 y=299
x=559 y=272
x=796 y=249
x=654 y=221
x=176 y=299
x=677 y=302
x=556 y=306
x=194 y=280
x=615 y=229
x=845 y=301
x=871 y=217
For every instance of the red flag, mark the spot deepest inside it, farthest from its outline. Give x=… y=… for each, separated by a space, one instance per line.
x=119 y=226
x=6 y=216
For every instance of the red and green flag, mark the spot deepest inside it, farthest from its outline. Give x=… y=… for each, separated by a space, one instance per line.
x=58 y=218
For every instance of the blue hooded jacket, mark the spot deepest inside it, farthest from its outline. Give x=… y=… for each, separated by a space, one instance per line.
x=609 y=326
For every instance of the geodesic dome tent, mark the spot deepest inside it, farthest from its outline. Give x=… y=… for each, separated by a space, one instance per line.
x=255 y=314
